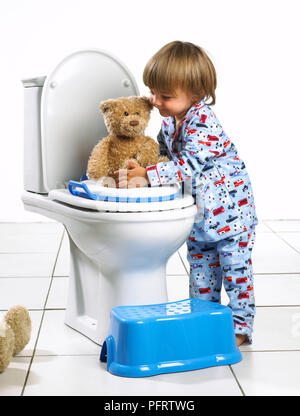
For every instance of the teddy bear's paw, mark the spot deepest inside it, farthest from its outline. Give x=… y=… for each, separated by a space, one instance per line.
x=19 y=320
x=106 y=181
x=133 y=163
x=7 y=342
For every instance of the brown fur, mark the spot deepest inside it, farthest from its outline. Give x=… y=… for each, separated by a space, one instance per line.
x=15 y=330
x=125 y=141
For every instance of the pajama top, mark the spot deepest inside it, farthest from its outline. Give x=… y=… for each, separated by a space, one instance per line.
x=204 y=158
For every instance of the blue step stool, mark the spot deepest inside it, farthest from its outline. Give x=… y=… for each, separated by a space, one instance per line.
x=186 y=335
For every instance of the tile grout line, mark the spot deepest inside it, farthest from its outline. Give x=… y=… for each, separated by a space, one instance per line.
x=183 y=263
x=53 y=270
x=237 y=381
x=281 y=238
x=261 y=351
x=43 y=314
x=278 y=235
x=63 y=355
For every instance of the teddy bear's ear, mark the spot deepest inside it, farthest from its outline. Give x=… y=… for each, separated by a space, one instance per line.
x=146 y=101
x=106 y=105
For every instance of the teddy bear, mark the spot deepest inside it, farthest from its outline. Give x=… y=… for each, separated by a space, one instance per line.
x=15 y=331
x=126 y=119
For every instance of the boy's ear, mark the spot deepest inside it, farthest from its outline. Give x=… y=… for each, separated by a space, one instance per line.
x=146 y=101
x=106 y=105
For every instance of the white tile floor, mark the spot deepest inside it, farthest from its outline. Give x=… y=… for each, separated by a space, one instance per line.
x=34 y=272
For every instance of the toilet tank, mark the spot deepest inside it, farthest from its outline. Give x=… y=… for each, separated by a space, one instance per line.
x=62 y=121
x=33 y=166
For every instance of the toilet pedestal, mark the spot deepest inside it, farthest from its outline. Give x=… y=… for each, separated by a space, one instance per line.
x=94 y=291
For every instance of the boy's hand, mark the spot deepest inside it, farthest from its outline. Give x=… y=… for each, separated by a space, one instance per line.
x=133 y=177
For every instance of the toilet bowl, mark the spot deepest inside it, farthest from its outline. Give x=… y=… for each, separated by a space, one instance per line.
x=118 y=250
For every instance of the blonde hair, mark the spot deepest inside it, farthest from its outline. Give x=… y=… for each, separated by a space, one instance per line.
x=185 y=66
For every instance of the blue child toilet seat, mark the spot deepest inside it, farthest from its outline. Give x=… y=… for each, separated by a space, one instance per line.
x=91 y=190
x=88 y=194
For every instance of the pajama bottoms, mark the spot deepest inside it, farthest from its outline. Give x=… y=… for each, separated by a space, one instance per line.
x=227 y=261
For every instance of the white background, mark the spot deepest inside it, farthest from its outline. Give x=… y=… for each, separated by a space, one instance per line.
x=253 y=44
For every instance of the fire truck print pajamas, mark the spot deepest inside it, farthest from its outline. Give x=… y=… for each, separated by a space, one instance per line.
x=222 y=237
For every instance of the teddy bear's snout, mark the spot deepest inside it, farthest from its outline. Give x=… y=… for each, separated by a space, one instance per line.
x=134 y=123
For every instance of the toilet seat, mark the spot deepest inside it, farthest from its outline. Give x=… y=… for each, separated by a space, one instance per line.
x=100 y=198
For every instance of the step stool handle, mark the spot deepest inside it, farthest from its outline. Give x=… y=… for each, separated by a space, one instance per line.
x=107 y=351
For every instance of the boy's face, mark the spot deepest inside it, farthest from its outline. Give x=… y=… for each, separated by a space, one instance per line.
x=171 y=104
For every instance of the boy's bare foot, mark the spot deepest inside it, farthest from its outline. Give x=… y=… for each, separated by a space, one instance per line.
x=240 y=339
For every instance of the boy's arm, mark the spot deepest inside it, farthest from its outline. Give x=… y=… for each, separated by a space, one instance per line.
x=199 y=147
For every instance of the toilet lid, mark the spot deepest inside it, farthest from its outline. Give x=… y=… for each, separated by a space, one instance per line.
x=89 y=195
x=71 y=123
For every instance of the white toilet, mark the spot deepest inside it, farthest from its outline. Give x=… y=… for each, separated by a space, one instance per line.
x=118 y=250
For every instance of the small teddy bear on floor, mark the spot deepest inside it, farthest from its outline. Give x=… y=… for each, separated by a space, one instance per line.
x=15 y=330
x=126 y=119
